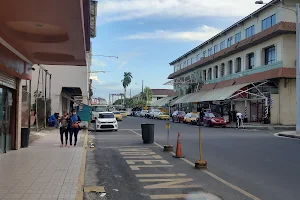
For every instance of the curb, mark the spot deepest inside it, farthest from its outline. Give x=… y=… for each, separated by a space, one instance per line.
x=289 y=136
x=267 y=128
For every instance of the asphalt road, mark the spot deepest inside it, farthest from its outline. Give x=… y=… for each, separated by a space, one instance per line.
x=256 y=162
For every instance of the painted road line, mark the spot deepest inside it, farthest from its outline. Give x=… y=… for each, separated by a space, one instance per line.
x=154 y=156
x=137 y=167
x=158 y=175
x=169 y=196
x=169 y=183
x=159 y=181
x=213 y=175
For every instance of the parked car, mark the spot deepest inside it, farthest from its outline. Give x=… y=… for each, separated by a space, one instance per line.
x=190 y=118
x=163 y=116
x=178 y=116
x=143 y=113
x=123 y=113
x=118 y=115
x=137 y=113
x=210 y=119
x=153 y=113
x=106 y=121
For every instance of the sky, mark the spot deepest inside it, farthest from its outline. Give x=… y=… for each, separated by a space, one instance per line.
x=146 y=35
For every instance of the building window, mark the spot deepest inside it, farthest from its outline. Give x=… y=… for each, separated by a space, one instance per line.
x=209 y=52
x=270 y=55
x=180 y=65
x=216 y=71
x=216 y=48
x=222 y=69
x=204 y=75
x=268 y=22
x=192 y=60
x=230 y=67
x=238 y=65
x=184 y=65
x=238 y=37
x=204 y=54
x=250 y=60
x=188 y=62
x=198 y=57
x=222 y=45
x=229 y=42
x=250 y=31
x=209 y=74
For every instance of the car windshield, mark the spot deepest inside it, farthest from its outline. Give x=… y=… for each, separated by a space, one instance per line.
x=210 y=115
x=117 y=113
x=106 y=115
x=194 y=115
x=181 y=113
x=99 y=108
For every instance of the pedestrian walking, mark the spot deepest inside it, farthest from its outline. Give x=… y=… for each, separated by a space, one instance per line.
x=64 y=128
x=239 y=118
x=74 y=127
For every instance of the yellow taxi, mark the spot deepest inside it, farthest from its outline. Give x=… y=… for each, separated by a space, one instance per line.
x=190 y=118
x=118 y=115
x=123 y=113
x=163 y=116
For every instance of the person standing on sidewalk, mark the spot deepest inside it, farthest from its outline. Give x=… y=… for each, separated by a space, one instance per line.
x=239 y=118
x=64 y=128
x=74 y=127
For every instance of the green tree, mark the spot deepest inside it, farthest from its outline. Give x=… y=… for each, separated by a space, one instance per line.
x=126 y=81
x=148 y=94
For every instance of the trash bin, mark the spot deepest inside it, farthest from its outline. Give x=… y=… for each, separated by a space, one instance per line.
x=148 y=133
x=24 y=137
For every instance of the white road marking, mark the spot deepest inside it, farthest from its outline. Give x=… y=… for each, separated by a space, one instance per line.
x=212 y=175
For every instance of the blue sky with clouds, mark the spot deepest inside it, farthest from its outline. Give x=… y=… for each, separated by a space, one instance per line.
x=148 y=34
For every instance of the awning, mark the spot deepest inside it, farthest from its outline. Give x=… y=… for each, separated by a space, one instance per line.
x=162 y=102
x=211 y=95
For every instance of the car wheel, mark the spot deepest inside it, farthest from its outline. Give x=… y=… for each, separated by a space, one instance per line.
x=223 y=126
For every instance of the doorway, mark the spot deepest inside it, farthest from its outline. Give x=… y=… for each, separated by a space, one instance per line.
x=7 y=129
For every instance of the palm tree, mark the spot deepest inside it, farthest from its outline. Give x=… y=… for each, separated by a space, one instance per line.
x=126 y=81
x=148 y=94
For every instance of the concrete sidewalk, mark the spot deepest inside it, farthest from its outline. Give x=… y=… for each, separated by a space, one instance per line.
x=44 y=170
x=259 y=126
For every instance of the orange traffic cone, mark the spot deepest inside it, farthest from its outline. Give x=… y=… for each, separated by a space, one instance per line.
x=178 y=148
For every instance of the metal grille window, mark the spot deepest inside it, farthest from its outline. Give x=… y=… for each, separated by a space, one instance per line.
x=270 y=55
x=222 y=69
x=209 y=74
x=250 y=31
x=216 y=71
x=238 y=65
x=230 y=67
x=250 y=60
x=204 y=75
x=268 y=22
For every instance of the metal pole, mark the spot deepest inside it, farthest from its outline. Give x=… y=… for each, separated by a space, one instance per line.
x=297 y=72
x=50 y=85
x=29 y=103
x=168 y=134
x=200 y=143
x=36 y=101
x=45 y=98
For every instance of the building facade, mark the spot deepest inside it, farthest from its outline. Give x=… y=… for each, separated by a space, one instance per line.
x=32 y=34
x=249 y=67
x=157 y=94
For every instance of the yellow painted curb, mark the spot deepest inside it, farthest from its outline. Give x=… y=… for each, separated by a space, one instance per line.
x=79 y=193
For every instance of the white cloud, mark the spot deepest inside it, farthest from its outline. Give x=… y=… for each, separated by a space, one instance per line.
x=116 y=10
x=200 y=34
x=95 y=78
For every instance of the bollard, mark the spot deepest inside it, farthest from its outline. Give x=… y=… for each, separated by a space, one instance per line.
x=200 y=164
x=167 y=147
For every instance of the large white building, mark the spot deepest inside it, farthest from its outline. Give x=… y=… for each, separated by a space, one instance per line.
x=249 y=67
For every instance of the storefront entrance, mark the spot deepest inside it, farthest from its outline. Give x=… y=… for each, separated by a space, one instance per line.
x=7 y=129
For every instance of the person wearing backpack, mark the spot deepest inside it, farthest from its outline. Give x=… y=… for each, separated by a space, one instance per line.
x=64 y=128
x=74 y=127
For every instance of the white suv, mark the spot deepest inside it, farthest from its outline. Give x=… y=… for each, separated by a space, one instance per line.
x=105 y=121
x=143 y=113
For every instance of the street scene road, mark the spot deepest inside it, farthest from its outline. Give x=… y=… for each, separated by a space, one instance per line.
x=242 y=164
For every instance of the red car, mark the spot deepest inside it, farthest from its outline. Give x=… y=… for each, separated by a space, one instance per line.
x=211 y=120
x=178 y=116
